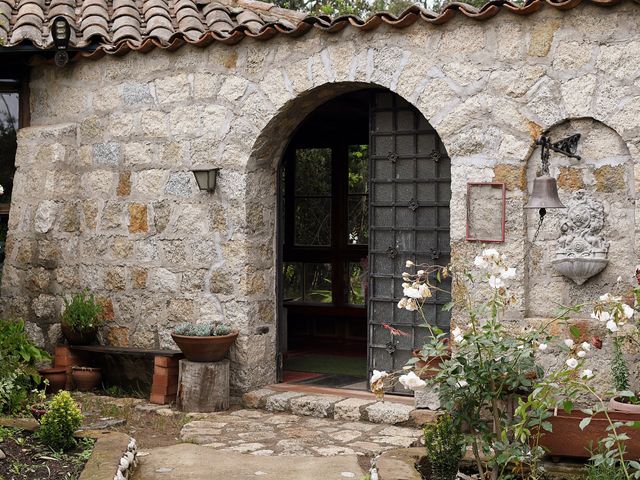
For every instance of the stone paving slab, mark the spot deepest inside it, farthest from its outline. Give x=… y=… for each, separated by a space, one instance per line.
x=195 y=462
x=261 y=433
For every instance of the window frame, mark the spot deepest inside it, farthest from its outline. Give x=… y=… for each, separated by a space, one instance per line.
x=15 y=79
x=340 y=252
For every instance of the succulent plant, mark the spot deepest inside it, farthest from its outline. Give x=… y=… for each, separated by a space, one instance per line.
x=205 y=329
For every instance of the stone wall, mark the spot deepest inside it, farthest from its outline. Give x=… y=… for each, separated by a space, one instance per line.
x=104 y=198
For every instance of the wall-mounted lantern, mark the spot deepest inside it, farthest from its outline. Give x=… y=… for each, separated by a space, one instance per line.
x=61 y=33
x=206 y=179
x=545 y=188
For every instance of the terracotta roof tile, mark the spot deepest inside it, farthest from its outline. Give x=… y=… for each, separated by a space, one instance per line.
x=119 y=26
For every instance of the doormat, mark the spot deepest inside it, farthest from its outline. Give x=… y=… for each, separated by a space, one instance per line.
x=332 y=364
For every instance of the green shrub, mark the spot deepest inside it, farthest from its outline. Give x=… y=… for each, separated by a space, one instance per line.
x=61 y=420
x=605 y=471
x=445 y=448
x=205 y=329
x=82 y=312
x=18 y=373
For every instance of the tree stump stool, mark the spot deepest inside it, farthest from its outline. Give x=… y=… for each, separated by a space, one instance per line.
x=203 y=386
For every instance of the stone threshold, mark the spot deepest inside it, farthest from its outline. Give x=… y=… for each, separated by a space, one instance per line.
x=339 y=392
x=337 y=404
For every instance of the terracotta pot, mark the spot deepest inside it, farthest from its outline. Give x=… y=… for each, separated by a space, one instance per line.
x=86 y=378
x=75 y=337
x=57 y=378
x=568 y=440
x=38 y=412
x=617 y=405
x=430 y=366
x=205 y=349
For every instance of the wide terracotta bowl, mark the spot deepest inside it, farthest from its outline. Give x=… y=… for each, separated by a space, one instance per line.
x=568 y=440
x=204 y=349
x=86 y=378
x=56 y=376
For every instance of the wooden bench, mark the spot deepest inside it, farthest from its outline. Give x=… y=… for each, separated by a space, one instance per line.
x=164 y=385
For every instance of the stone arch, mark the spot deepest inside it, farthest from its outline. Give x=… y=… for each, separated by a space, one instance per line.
x=606 y=173
x=261 y=193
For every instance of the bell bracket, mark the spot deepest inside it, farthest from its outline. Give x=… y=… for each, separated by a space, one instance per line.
x=567 y=146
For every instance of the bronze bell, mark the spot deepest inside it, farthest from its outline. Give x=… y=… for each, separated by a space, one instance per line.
x=544 y=194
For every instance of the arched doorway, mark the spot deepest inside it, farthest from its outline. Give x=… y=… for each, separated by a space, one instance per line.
x=365 y=186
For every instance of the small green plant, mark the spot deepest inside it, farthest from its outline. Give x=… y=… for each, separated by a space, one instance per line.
x=59 y=423
x=619 y=368
x=206 y=329
x=445 y=447
x=82 y=313
x=605 y=471
x=18 y=373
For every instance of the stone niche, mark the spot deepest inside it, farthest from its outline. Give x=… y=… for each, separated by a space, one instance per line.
x=603 y=178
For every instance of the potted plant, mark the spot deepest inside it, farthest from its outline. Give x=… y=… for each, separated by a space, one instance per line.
x=39 y=407
x=86 y=378
x=204 y=342
x=81 y=319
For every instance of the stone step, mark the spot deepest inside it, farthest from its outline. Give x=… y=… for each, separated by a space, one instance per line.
x=338 y=407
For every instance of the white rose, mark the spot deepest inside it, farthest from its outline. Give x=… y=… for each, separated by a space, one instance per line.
x=402 y=303
x=378 y=375
x=569 y=343
x=572 y=363
x=412 y=292
x=424 y=291
x=508 y=274
x=411 y=381
x=582 y=354
x=491 y=254
x=586 y=374
x=480 y=262
x=542 y=347
x=612 y=326
x=409 y=264
x=628 y=311
x=496 y=282
x=586 y=346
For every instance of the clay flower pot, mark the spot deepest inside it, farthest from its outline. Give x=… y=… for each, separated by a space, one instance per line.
x=86 y=378
x=204 y=349
x=38 y=411
x=57 y=378
x=428 y=367
x=617 y=404
x=568 y=440
x=78 y=337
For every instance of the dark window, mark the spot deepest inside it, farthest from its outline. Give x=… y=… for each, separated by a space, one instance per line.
x=327 y=221
x=13 y=115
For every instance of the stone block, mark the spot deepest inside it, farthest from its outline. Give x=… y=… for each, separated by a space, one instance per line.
x=314 y=405
x=350 y=409
x=45 y=216
x=136 y=93
x=138 y=222
x=281 y=401
x=180 y=184
x=256 y=398
x=422 y=417
x=124 y=184
x=107 y=154
x=390 y=413
x=427 y=397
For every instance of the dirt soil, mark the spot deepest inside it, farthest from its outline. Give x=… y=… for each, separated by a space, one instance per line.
x=26 y=459
x=149 y=429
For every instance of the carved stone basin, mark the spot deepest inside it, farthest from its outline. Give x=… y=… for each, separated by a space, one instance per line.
x=579 y=269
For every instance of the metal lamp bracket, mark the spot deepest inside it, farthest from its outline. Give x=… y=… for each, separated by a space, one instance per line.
x=567 y=146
